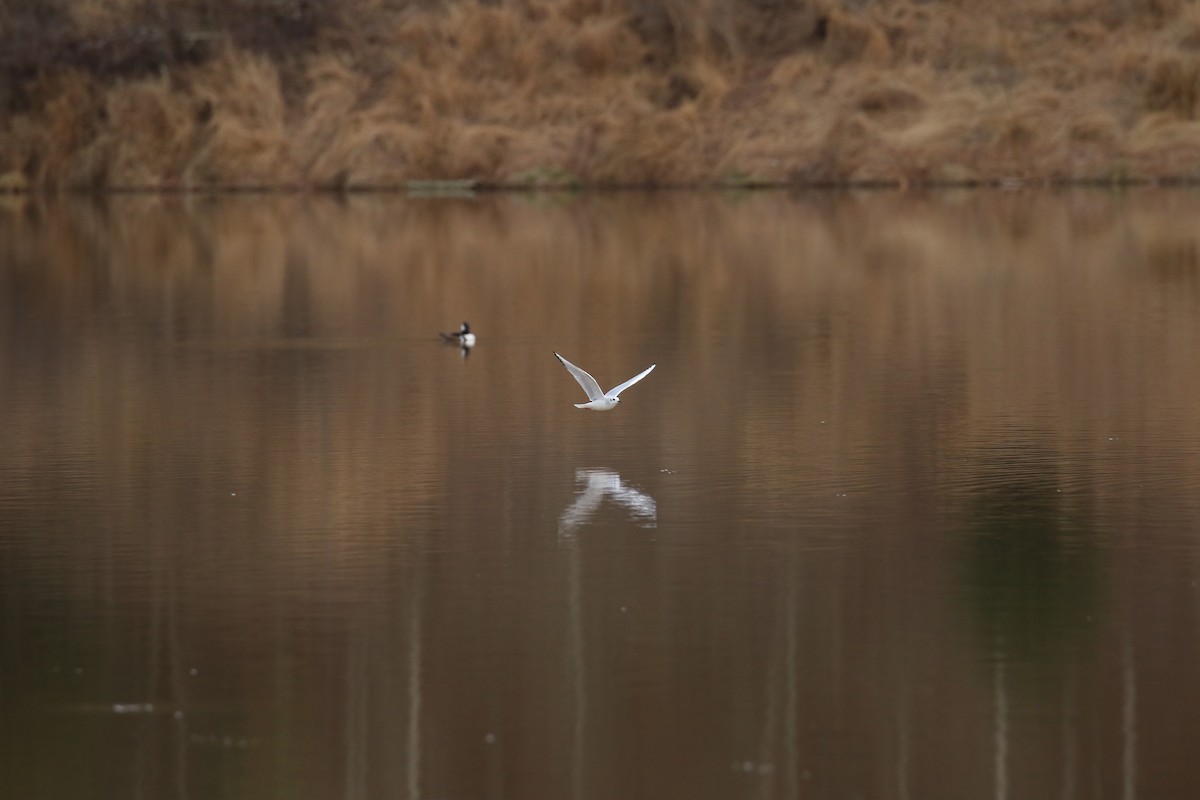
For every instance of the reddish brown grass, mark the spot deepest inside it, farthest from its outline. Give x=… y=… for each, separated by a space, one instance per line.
x=217 y=93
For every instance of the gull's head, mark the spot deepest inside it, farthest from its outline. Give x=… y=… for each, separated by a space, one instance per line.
x=616 y=400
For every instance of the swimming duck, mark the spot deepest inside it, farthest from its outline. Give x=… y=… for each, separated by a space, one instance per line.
x=462 y=336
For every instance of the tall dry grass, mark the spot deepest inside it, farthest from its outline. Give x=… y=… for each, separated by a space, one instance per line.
x=363 y=93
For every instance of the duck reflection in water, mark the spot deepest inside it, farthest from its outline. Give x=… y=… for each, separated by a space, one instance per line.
x=597 y=485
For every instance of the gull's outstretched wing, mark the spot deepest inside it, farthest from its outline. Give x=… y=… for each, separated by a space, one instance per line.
x=630 y=382
x=586 y=381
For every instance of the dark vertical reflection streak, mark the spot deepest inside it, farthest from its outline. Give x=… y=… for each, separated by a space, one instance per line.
x=178 y=691
x=413 y=738
x=1000 y=733
x=357 y=701
x=1129 y=709
x=791 y=676
x=577 y=662
x=1070 y=743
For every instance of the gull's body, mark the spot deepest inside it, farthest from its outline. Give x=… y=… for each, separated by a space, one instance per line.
x=462 y=336
x=598 y=400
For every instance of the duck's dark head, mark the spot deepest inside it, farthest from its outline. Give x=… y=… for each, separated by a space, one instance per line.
x=465 y=328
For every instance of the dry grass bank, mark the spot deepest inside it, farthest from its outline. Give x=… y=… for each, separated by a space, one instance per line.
x=376 y=93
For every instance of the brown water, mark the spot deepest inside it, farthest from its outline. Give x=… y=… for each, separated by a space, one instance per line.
x=910 y=507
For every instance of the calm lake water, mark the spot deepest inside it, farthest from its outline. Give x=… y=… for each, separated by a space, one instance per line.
x=910 y=507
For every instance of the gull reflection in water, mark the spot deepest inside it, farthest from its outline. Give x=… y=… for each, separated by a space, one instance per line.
x=599 y=484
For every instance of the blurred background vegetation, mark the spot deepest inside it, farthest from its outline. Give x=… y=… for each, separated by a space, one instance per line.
x=362 y=93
